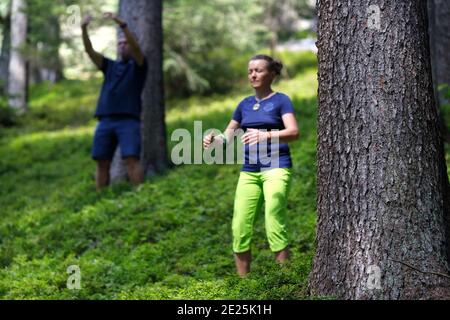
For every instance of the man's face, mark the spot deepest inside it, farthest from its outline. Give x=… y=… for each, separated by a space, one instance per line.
x=123 y=49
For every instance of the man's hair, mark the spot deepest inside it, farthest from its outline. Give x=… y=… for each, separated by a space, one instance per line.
x=121 y=35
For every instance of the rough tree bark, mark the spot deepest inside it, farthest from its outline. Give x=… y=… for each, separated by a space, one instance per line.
x=17 y=71
x=145 y=20
x=439 y=25
x=383 y=197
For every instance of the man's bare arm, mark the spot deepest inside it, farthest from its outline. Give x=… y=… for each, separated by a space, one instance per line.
x=96 y=57
x=135 y=49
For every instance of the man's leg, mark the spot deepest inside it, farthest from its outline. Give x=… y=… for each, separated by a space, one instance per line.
x=103 y=148
x=102 y=174
x=129 y=135
x=135 y=172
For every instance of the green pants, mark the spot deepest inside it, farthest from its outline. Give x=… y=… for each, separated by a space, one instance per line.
x=252 y=189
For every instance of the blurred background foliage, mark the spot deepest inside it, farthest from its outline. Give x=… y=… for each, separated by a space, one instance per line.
x=206 y=43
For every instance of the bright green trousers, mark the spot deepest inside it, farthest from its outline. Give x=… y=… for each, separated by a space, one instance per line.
x=253 y=188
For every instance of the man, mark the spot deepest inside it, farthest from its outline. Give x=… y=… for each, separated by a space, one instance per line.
x=119 y=104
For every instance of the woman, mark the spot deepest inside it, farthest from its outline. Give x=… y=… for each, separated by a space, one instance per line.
x=267 y=116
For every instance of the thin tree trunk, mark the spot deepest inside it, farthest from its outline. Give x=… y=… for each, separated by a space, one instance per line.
x=5 y=53
x=383 y=194
x=145 y=20
x=439 y=25
x=17 y=78
x=46 y=65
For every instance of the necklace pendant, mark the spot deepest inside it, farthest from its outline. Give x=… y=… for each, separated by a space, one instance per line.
x=256 y=106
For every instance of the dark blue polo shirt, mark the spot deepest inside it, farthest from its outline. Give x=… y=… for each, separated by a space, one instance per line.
x=269 y=117
x=122 y=88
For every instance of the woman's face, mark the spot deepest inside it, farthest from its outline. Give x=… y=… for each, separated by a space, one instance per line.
x=259 y=74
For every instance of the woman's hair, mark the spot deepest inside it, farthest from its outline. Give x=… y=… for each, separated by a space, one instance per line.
x=274 y=65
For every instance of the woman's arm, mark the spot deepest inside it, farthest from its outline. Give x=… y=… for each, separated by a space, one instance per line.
x=289 y=133
x=229 y=132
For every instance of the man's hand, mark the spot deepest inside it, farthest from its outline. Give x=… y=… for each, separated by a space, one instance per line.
x=112 y=16
x=109 y=16
x=87 y=19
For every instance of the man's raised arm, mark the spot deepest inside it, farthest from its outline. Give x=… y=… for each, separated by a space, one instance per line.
x=96 y=57
x=135 y=50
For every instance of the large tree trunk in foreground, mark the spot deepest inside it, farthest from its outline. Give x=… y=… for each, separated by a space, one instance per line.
x=439 y=26
x=383 y=198
x=145 y=20
x=17 y=78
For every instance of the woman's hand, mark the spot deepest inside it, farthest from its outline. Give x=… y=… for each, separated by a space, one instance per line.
x=221 y=138
x=253 y=136
x=210 y=138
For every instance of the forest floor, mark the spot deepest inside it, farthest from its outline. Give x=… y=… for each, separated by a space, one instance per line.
x=170 y=238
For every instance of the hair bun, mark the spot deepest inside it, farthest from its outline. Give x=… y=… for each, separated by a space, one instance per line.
x=277 y=66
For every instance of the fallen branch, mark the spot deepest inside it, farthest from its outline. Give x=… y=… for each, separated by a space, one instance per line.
x=421 y=271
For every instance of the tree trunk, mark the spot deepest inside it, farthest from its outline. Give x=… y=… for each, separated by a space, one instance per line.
x=46 y=65
x=5 y=53
x=145 y=20
x=439 y=25
x=383 y=194
x=17 y=78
